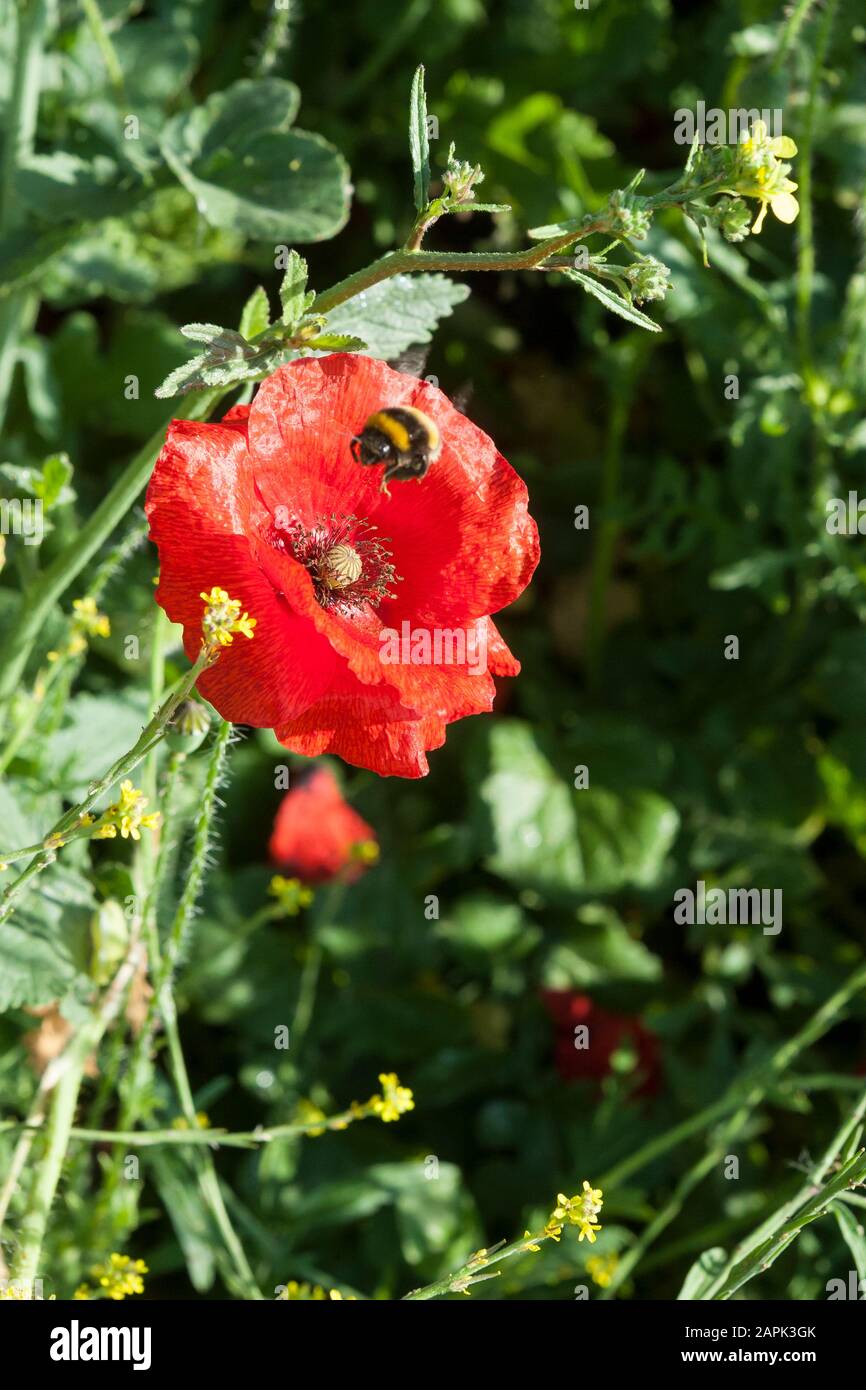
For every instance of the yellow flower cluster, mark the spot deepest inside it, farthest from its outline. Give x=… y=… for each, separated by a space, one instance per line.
x=117 y=1277
x=364 y=852
x=223 y=618
x=761 y=174
x=310 y=1293
x=87 y=621
x=308 y=1113
x=394 y=1101
x=290 y=893
x=578 y=1211
x=126 y=815
x=602 y=1268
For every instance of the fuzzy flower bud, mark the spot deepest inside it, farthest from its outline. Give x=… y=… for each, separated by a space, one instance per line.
x=732 y=217
x=188 y=729
x=649 y=279
x=628 y=216
x=460 y=178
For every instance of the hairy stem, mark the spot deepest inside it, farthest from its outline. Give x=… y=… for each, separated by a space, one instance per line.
x=70 y=823
x=70 y=1071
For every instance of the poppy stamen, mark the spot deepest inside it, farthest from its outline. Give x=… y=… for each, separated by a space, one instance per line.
x=349 y=567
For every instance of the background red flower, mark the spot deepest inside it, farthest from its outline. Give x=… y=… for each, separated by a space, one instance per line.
x=257 y=503
x=607 y=1032
x=316 y=832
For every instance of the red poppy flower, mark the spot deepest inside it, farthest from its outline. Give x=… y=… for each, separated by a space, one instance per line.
x=607 y=1033
x=270 y=505
x=317 y=835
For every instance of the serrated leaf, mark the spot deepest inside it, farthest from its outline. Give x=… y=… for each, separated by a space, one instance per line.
x=612 y=301
x=256 y=315
x=219 y=340
x=186 y=377
x=419 y=142
x=396 y=313
x=293 y=289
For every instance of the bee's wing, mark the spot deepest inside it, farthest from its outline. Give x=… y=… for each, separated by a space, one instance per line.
x=462 y=396
x=412 y=361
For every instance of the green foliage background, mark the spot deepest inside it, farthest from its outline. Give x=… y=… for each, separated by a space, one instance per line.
x=707 y=519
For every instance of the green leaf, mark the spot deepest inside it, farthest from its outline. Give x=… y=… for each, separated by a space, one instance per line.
x=293 y=289
x=703 y=1272
x=612 y=301
x=853 y=1234
x=432 y=1216
x=542 y=833
x=256 y=315
x=44 y=946
x=98 y=729
x=250 y=173
x=397 y=313
x=600 y=950
x=188 y=1215
x=187 y=377
x=19 y=825
x=43 y=396
x=61 y=186
x=337 y=342
x=419 y=143
x=492 y=926
x=52 y=486
x=220 y=340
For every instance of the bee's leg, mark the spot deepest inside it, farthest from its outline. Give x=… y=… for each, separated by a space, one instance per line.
x=385 y=488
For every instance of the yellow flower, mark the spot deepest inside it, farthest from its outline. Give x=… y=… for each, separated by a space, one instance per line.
x=181 y=1122
x=88 y=618
x=306 y=1293
x=395 y=1099
x=759 y=174
x=126 y=815
x=82 y=1292
x=364 y=852
x=307 y=1113
x=119 y=1276
x=580 y=1211
x=223 y=618
x=602 y=1268
x=290 y=893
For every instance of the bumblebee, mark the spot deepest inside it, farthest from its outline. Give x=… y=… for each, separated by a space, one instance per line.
x=404 y=439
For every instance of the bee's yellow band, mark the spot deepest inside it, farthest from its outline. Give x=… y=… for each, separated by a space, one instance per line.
x=397 y=433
